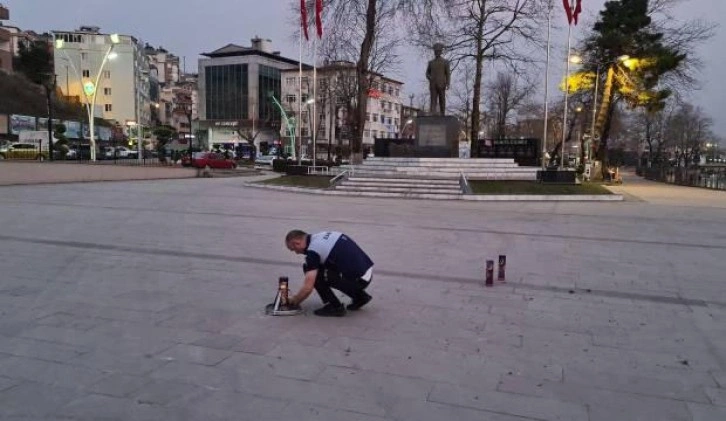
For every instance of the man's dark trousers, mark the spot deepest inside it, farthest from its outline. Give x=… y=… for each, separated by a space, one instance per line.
x=328 y=279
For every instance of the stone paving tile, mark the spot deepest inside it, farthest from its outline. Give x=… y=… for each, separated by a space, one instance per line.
x=225 y=405
x=720 y=377
x=406 y=410
x=6 y=383
x=165 y=392
x=118 y=362
x=717 y=395
x=101 y=407
x=118 y=385
x=702 y=412
x=387 y=385
x=194 y=354
x=308 y=412
x=41 y=350
x=287 y=365
x=688 y=386
x=507 y=403
x=32 y=399
x=49 y=373
x=219 y=341
x=602 y=404
x=70 y=321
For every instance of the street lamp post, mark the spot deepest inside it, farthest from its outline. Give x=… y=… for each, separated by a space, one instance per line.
x=289 y=122
x=90 y=88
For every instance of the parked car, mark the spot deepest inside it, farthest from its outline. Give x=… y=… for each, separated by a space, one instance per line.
x=265 y=160
x=212 y=160
x=24 y=151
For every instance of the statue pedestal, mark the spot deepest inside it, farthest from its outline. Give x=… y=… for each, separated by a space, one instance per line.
x=437 y=136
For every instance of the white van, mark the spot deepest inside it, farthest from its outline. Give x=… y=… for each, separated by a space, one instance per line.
x=36 y=137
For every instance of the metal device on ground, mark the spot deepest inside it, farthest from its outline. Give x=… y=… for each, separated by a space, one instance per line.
x=502 y=267
x=489 y=273
x=281 y=306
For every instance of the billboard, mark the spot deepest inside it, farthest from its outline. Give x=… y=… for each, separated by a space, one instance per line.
x=21 y=123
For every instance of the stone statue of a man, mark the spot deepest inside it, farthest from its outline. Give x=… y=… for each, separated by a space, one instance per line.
x=439 y=75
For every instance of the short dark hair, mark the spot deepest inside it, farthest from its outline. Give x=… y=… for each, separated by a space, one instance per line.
x=295 y=234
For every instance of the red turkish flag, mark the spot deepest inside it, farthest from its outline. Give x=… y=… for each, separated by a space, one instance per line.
x=577 y=11
x=568 y=10
x=304 y=18
x=319 y=17
x=572 y=14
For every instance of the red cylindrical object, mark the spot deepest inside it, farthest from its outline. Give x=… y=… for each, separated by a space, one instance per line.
x=490 y=273
x=502 y=267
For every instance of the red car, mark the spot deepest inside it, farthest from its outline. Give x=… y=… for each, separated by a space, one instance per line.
x=212 y=160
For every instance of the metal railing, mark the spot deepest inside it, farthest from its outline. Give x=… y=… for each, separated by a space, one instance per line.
x=464 y=183
x=341 y=176
x=710 y=176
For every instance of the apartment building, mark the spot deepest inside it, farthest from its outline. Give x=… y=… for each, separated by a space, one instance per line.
x=6 y=38
x=336 y=86
x=235 y=83
x=123 y=92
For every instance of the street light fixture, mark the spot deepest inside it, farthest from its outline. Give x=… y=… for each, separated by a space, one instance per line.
x=90 y=89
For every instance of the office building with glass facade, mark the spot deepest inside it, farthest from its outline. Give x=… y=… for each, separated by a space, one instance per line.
x=235 y=84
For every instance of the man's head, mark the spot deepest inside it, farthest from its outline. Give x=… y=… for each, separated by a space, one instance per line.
x=296 y=241
x=438 y=49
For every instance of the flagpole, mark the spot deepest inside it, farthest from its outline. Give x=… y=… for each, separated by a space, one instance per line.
x=315 y=95
x=567 y=93
x=298 y=121
x=547 y=84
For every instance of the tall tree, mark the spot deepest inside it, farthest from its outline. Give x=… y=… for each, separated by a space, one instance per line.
x=478 y=31
x=657 y=53
x=361 y=32
x=35 y=61
x=507 y=92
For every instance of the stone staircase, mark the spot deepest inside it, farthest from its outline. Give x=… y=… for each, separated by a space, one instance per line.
x=426 y=178
x=433 y=168
x=420 y=188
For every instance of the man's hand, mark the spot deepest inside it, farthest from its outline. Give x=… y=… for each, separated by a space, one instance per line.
x=306 y=290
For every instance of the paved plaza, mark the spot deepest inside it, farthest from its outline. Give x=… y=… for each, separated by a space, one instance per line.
x=144 y=300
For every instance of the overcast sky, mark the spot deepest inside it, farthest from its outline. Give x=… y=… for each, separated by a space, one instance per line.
x=189 y=27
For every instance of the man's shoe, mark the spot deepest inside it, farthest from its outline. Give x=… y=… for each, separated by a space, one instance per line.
x=331 y=310
x=357 y=304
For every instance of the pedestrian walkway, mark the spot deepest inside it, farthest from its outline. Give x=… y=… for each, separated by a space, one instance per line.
x=145 y=301
x=635 y=187
x=23 y=173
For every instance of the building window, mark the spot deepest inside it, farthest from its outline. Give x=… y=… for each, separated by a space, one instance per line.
x=397 y=92
x=107 y=74
x=368 y=116
x=291 y=99
x=366 y=133
x=269 y=80
x=108 y=108
x=107 y=91
x=84 y=56
x=375 y=118
x=86 y=73
x=227 y=92
x=389 y=120
x=290 y=81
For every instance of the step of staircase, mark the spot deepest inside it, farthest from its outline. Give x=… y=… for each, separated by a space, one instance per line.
x=403 y=187
x=398 y=189
x=405 y=181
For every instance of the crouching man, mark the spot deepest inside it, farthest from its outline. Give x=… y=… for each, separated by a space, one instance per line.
x=332 y=260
